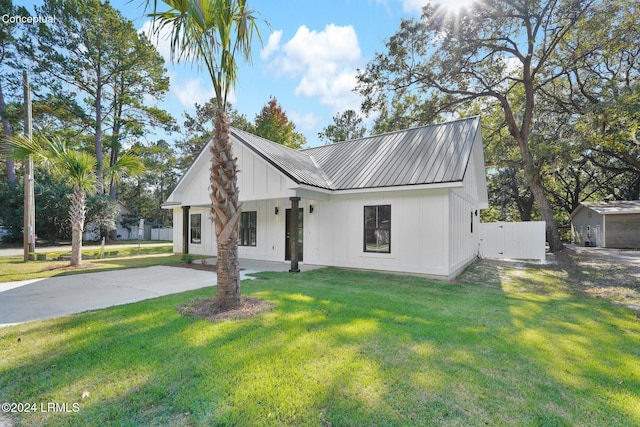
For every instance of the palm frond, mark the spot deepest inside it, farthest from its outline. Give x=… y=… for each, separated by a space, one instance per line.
x=209 y=33
x=127 y=164
x=20 y=147
x=79 y=167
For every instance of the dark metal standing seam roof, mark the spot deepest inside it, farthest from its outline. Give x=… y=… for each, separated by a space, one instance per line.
x=426 y=155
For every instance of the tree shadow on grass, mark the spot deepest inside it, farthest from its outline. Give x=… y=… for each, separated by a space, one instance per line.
x=341 y=348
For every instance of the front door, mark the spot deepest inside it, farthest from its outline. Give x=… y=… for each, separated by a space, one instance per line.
x=287 y=247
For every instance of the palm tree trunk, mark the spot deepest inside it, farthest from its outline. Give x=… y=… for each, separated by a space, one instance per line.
x=76 y=216
x=225 y=211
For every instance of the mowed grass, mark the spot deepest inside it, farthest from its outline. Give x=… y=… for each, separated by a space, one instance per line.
x=14 y=268
x=340 y=348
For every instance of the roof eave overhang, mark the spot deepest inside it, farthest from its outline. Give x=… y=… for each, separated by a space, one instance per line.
x=412 y=187
x=171 y=205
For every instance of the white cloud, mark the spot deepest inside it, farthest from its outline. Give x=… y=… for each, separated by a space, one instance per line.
x=414 y=6
x=191 y=91
x=325 y=62
x=273 y=45
x=305 y=122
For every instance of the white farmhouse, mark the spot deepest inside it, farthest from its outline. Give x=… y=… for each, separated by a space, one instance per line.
x=405 y=201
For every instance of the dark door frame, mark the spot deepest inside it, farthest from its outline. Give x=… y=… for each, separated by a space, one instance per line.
x=294 y=247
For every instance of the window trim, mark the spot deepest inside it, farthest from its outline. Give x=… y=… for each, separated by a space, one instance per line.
x=192 y=229
x=241 y=241
x=365 y=229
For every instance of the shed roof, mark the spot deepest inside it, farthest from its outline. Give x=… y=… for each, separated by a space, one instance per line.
x=616 y=207
x=425 y=155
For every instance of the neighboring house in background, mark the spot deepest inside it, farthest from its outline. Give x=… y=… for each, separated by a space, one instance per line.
x=131 y=233
x=92 y=232
x=610 y=224
x=405 y=201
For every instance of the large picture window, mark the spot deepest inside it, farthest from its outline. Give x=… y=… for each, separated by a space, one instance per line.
x=247 y=229
x=196 y=228
x=377 y=229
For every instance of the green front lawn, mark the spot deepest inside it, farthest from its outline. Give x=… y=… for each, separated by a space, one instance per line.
x=14 y=268
x=340 y=348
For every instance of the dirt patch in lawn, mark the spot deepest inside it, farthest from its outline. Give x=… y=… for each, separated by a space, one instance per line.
x=198 y=266
x=67 y=267
x=608 y=274
x=209 y=309
x=604 y=273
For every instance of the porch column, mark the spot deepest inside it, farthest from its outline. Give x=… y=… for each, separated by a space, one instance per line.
x=185 y=231
x=293 y=232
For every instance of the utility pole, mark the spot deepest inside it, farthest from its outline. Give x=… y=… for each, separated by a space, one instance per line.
x=29 y=198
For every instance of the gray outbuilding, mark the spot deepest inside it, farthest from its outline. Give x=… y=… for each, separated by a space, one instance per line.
x=609 y=224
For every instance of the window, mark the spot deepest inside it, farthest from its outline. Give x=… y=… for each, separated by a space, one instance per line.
x=247 y=229
x=377 y=229
x=196 y=228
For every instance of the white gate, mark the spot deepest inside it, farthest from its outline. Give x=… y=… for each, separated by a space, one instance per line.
x=513 y=240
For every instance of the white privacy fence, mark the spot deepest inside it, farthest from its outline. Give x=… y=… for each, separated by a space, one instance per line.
x=513 y=240
x=162 y=234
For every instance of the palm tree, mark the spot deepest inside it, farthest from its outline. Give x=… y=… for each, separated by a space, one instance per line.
x=78 y=168
x=214 y=33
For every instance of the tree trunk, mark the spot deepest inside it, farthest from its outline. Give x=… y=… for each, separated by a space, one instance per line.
x=531 y=171
x=532 y=175
x=98 y=138
x=76 y=216
x=225 y=212
x=8 y=131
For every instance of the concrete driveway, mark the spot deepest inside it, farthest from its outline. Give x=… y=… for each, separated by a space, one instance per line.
x=57 y=296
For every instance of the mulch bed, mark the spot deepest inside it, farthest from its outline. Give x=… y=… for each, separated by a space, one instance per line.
x=208 y=308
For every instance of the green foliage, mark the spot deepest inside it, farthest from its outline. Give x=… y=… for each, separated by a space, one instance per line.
x=145 y=193
x=12 y=209
x=198 y=130
x=52 y=199
x=509 y=196
x=346 y=125
x=95 y=60
x=214 y=35
x=102 y=214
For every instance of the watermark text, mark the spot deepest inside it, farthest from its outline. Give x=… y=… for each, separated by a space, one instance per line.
x=29 y=20
x=22 y=407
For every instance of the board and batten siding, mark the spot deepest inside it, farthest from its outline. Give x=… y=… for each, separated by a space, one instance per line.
x=207 y=245
x=334 y=233
x=257 y=180
x=177 y=230
x=463 y=232
x=270 y=230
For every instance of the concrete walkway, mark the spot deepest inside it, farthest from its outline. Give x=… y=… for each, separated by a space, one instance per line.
x=57 y=296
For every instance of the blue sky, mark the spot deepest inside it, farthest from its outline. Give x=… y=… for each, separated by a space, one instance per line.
x=308 y=61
